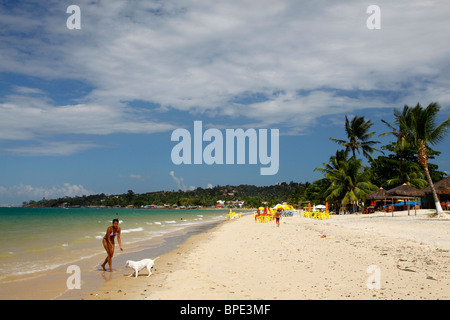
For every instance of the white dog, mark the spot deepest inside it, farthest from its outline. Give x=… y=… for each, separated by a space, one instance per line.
x=139 y=265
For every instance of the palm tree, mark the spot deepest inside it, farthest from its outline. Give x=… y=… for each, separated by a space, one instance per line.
x=412 y=175
x=401 y=120
x=349 y=180
x=424 y=131
x=334 y=162
x=358 y=137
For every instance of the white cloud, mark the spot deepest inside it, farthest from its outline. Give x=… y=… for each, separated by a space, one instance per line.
x=20 y=193
x=26 y=117
x=136 y=176
x=198 y=56
x=55 y=148
x=180 y=182
x=28 y=91
x=140 y=177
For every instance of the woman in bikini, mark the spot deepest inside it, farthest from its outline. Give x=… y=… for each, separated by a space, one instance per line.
x=108 y=243
x=277 y=217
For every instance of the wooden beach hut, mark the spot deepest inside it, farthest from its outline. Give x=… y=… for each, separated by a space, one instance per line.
x=405 y=192
x=442 y=190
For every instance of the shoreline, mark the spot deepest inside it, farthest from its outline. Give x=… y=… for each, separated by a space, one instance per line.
x=244 y=260
x=51 y=284
x=133 y=208
x=164 y=246
x=164 y=266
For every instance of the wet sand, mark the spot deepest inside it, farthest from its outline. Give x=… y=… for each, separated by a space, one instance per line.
x=52 y=284
x=345 y=257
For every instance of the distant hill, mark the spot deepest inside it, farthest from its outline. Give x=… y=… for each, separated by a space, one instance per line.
x=253 y=196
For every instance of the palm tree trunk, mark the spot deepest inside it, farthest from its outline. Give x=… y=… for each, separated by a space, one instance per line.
x=433 y=190
x=423 y=159
x=401 y=169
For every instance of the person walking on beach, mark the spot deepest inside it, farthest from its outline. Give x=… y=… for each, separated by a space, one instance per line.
x=108 y=243
x=277 y=216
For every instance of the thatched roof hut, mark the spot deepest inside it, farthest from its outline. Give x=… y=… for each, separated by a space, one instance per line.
x=442 y=187
x=404 y=192
x=379 y=194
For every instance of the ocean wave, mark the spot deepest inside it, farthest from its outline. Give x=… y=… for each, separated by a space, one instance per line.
x=6 y=255
x=123 y=231
x=133 y=230
x=172 y=221
x=33 y=268
x=25 y=268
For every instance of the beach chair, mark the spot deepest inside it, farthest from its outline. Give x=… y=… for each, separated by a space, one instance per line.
x=319 y=215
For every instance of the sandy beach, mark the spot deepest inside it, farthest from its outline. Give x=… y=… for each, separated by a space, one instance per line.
x=343 y=258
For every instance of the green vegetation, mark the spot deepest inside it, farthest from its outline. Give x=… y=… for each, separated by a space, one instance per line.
x=346 y=179
x=252 y=195
x=423 y=132
x=358 y=137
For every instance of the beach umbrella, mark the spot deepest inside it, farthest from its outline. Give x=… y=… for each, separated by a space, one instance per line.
x=326 y=207
x=319 y=206
x=283 y=206
x=309 y=206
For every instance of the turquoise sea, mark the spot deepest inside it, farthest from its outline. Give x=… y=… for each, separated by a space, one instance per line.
x=41 y=239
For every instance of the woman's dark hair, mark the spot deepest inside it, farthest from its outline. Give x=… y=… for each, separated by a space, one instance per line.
x=116 y=220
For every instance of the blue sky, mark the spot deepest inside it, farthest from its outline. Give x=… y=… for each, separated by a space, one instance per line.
x=92 y=110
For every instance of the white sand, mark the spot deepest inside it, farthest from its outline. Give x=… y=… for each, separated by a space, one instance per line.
x=242 y=259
